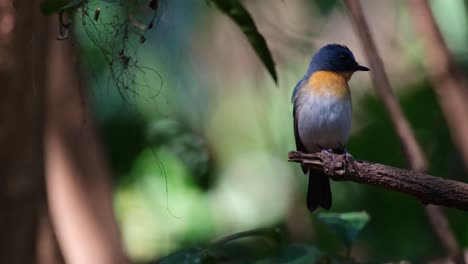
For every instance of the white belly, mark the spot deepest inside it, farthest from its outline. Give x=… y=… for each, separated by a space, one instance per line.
x=323 y=121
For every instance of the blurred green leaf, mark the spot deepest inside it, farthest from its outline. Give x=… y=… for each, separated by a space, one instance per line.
x=191 y=148
x=290 y=254
x=242 y=247
x=346 y=225
x=326 y=6
x=240 y=15
x=50 y=7
x=247 y=246
x=124 y=140
x=186 y=256
x=305 y=254
x=299 y=254
x=271 y=233
x=163 y=130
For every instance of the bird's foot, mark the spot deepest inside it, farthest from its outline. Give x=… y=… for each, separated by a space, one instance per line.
x=343 y=152
x=349 y=159
x=327 y=151
x=348 y=156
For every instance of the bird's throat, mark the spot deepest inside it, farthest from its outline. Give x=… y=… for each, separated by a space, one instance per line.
x=328 y=83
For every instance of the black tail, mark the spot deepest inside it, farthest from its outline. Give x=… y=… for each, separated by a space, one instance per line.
x=318 y=192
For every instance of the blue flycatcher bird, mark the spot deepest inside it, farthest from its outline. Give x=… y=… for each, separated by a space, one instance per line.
x=322 y=113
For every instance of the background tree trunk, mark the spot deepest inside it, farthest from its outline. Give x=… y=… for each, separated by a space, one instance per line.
x=78 y=179
x=23 y=47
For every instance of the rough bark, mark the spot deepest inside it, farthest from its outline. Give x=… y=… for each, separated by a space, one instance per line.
x=427 y=188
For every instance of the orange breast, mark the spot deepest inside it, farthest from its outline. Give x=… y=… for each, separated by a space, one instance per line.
x=329 y=83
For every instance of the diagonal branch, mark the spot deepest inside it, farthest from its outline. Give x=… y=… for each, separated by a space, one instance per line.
x=412 y=150
x=414 y=155
x=428 y=189
x=450 y=84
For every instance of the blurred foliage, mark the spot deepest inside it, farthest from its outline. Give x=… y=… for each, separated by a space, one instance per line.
x=346 y=225
x=199 y=146
x=188 y=146
x=326 y=7
x=50 y=7
x=245 y=248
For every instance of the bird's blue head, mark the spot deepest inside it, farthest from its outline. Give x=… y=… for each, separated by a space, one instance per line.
x=336 y=58
x=332 y=57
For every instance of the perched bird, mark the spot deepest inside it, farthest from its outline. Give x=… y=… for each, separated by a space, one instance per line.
x=322 y=113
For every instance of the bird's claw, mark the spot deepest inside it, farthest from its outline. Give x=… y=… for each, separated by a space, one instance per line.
x=327 y=151
x=349 y=159
x=348 y=156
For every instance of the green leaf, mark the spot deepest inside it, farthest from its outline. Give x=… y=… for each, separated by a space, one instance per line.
x=346 y=225
x=240 y=15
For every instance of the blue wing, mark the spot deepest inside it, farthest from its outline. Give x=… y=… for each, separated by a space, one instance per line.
x=299 y=144
x=298 y=87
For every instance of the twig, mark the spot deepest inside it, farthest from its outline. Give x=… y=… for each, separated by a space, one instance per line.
x=411 y=148
x=449 y=83
x=428 y=189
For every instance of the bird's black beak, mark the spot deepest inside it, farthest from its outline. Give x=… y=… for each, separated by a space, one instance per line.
x=362 y=68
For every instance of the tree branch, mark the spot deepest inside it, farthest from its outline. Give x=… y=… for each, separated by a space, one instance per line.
x=412 y=150
x=414 y=155
x=450 y=84
x=428 y=189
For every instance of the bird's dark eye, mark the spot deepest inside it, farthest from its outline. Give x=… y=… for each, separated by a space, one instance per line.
x=343 y=57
